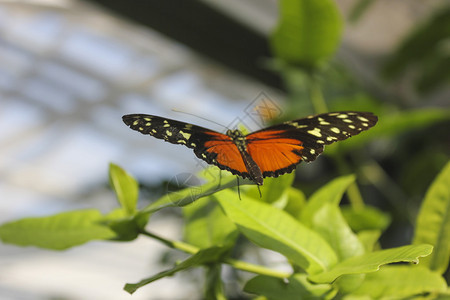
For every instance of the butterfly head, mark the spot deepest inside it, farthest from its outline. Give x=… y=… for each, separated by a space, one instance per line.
x=235 y=134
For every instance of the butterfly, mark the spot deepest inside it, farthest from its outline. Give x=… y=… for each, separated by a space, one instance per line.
x=269 y=152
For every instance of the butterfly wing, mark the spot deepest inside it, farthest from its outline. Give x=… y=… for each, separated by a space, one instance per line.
x=211 y=146
x=278 y=149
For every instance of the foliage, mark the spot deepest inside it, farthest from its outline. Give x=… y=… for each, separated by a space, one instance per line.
x=324 y=252
x=308 y=32
x=332 y=250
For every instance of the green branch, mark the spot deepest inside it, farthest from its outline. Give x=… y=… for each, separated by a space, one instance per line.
x=240 y=265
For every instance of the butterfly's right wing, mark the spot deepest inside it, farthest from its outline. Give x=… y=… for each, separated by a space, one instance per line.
x=279 y=148
x=211 y=146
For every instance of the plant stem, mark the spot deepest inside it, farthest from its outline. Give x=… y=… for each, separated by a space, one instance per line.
x=353 y=193
x=185 y=247
x=257 y=269
x=317 y=100
x=354 y=196
x=241 y=265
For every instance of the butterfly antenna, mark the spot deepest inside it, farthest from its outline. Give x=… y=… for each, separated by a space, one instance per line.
x=186 y=113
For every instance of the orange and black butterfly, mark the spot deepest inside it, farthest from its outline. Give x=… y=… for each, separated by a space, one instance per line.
x=269 y=152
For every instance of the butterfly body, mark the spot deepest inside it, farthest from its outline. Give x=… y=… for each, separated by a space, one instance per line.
x=269 y=152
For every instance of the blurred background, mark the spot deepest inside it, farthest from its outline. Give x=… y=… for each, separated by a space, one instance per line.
x=70 y=69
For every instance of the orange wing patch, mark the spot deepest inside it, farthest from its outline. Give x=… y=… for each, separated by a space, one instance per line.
x=227 y=156
x=274 y=154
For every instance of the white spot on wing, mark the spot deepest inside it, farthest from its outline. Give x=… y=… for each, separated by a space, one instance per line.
x=185 y=135
x=315 y=132
x=335 y=130
x=363 y=119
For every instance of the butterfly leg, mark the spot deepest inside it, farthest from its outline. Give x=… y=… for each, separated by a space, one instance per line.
x=239 y=191
x=259 y=190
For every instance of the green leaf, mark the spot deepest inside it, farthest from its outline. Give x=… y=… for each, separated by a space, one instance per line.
x=332 y=192
x=125 y=187
x=433 y=222
x=273 y=188
x=207 y=225
x=308 y=32
x=191 y=194
x=398 y=282
x=369 y=238
x=348 y=283
x=293 y=288
x=126 y=227
x=202 y=257
x=367 y=218
x=57 y=232
x=324 y=205
x=275 y=229
x=296 y=201
x=329 y=222
x=371 y=262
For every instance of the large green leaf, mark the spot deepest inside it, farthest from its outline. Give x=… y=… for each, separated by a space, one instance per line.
x=308 y=32
x=329 y=222
x=371 y=262
x=294 y=288
x=399 y=282
x=126 y=227
x=272 y=189
x=433 y=222
x=366 y=218
x=275 y=229
x=126 y=188
x=204 y=256
x=332 y=192
x=296 y=201
x=207 y=225
x=57 y=232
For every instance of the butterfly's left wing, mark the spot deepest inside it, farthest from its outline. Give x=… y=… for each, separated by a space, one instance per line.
x=278 y=149
x=211 y=146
